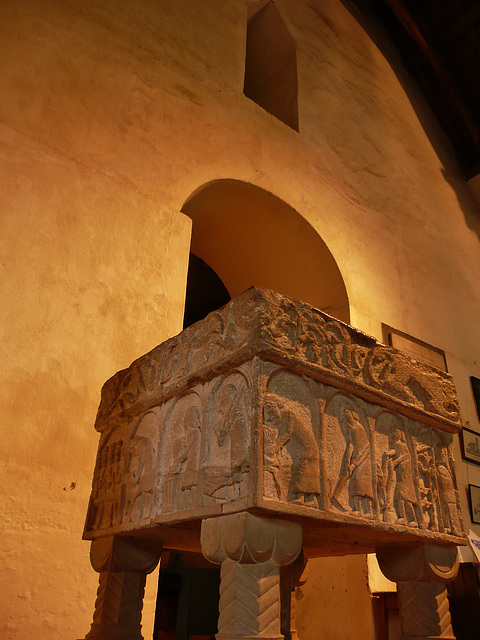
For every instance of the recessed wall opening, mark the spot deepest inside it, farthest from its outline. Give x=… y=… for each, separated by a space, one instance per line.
x=271 y=65
x=250 y=237
x=205 y=291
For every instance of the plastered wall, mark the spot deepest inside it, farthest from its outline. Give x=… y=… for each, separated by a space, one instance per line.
x=112 y=114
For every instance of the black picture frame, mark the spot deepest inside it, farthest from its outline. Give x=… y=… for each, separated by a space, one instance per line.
x=474 y=502
x=470 y=445
x=475 y=382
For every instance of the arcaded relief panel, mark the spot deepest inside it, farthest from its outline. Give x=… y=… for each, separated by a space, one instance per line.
x=416 y=477
x=192 y=451
x=104 y=505
x=140 y=468
x=180 y=458
x=205 y=445
x=124 y=476
x=331 y=451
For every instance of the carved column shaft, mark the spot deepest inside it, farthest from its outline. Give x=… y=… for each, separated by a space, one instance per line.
x=249 y=601
x=118 y=607
x=123 y=565
x=251 y=551
x=421 y=572
x=425 y=611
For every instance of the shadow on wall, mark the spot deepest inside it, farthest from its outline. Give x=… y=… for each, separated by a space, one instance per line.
x=363 y=13
x=250 y=237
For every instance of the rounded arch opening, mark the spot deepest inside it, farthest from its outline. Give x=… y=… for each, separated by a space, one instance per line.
x=250 y=237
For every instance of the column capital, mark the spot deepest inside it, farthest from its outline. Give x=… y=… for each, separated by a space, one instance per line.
x=421 y=562
x=122 y=554
x=249 y=539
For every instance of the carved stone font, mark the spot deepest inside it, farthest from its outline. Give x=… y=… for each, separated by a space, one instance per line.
x=271 y=407
x=269 y=403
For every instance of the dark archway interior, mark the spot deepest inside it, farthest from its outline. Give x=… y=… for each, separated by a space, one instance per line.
x=205 y=291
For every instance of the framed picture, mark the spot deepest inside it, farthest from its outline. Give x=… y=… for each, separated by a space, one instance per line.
x=476 y=392
x=474 y=500
x=416 y=349
x=470 y=442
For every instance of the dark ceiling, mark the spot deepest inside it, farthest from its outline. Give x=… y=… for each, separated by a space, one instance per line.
x=439 y=41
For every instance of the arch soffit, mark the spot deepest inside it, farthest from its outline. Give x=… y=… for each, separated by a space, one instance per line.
x=250 y=236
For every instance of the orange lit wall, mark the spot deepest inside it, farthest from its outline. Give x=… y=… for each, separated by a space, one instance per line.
x=113 y=114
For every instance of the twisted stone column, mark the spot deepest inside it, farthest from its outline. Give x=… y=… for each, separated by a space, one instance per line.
x=251 y=551
x=421 y=572
x=123 y=565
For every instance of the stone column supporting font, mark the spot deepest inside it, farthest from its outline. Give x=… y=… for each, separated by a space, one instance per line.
x=251 y=551
x=123 y=565
x=421 y=573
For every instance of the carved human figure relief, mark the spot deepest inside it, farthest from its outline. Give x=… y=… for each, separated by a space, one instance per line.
x=140 y=468
x=191 y=451
x=386 y=487
x=385 y=423
x=428 y=485
x=229 y=438
x=448 y=495
x=356 y=467
x=291 y=451
x=405 y=498
x=416 y=486
x=182 y=434
x=139 y=480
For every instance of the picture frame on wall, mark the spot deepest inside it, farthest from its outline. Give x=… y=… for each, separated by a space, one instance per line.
x=470 y=444
x=476 y=392
x=474 y=502
x=415 y=348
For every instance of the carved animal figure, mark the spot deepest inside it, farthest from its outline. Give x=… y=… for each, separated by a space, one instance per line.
x=392 y=372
